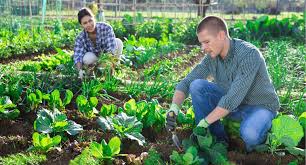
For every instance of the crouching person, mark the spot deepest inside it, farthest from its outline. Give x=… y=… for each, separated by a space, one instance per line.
x=96 y=38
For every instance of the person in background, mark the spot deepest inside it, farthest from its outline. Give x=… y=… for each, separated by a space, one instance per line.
x=241 y=88
x=96 y=38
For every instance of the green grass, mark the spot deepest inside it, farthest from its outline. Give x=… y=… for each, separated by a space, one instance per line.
x=23 y=159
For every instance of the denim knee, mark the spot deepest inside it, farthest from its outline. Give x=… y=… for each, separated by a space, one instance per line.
x=198 y=85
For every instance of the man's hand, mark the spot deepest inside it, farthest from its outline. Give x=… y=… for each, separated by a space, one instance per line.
x=81 y=74
x=203 y=123
x=171 y=117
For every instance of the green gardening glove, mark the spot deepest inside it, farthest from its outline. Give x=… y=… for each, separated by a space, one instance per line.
x=203 y=123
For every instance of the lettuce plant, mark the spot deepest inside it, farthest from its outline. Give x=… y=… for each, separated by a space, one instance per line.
x=36 y=98
x=87 y=107
x=210 y=150
x=104 y=150
x=108 y=110
x=55 y=122
x=124 y=126
x=189 y=158
x=44 y=143
x=286 y=133
x=8 y=109
x=55 y=100
x=149 y=113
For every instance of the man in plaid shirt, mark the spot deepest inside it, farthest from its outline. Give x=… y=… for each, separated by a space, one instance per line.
x=94 y=39
x=241 y=89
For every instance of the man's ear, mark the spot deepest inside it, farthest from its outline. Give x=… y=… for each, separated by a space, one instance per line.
x=221 y=35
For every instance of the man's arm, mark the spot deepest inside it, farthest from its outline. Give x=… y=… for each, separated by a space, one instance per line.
x=178 y=97
x=78 y=65
x=216 y=114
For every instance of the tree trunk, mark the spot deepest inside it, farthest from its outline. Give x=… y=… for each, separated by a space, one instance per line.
x=202 y=9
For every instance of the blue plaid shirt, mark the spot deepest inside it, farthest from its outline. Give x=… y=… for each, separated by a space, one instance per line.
x=105 y=42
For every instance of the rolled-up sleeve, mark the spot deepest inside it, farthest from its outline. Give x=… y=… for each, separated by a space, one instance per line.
x=247 y=70
x=110 y=43
x=79 y=50
x=201 y=71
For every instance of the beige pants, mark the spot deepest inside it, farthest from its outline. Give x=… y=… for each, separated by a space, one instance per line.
x=90 y=58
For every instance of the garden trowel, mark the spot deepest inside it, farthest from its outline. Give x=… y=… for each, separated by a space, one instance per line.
x=175 y=139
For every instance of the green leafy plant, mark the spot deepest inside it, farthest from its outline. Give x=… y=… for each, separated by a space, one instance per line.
x=55 y=122
x=149 y=113
x=91 y=88
x=302 y=120
x=104 y=150
x=98 y=153
x=189 y=158
x=55 y=100
x=153 y=158
x=44 y=143
x=286 y=133
x=8 y=109
x=209 y=149
x=85 y=158
x=186 y=118
x=87 y=107
x=36 y=98
x=124 y=126
x=108 y=110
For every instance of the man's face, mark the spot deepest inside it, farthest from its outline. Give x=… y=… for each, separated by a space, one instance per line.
x=211 y=42
x=88 y=23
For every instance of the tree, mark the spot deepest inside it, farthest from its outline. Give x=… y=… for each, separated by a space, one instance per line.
x=202 y=7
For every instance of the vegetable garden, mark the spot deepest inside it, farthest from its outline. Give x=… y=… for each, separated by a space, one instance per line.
x=116 y=115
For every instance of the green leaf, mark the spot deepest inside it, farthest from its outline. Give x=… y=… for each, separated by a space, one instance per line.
x=114 y=144
x=130 y=107
x=302 y=120
x=73 y=128
x=96 y=150
x=81 y=100
x=56 y=140
x=175 y=157
x=93 y=101
x=187 y=158
x=136 y=136
x=68 y=97
x=296 y=151
x=105 y=123
x=36 y=140
x=287 y=126
x=287 y=141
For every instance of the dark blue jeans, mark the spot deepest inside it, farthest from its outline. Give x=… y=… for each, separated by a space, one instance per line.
x=255 y=120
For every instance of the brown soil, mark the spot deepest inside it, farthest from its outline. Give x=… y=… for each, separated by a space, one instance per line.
x=256 y=158
x=13 y=144
x=15 y=136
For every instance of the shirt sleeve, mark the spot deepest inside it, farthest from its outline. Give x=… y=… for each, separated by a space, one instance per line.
x=110 y=43
x=247 y=71
x=79 y=50
x=201 y=71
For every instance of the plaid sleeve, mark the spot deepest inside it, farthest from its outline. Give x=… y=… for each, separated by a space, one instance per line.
x=110 y=42
x=201 y=71
x=79 y=50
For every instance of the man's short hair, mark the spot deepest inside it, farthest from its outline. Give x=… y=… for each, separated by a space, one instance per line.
x=213 y=24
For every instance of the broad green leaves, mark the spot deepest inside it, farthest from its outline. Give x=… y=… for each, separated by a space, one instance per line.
x=55 y=122
x=124 y=126
x=286 y=127
x=44 y=143
x=189 y=158
x=8 y=109
x=87 y=107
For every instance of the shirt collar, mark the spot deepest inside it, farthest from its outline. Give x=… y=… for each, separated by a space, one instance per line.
x=230 y=52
